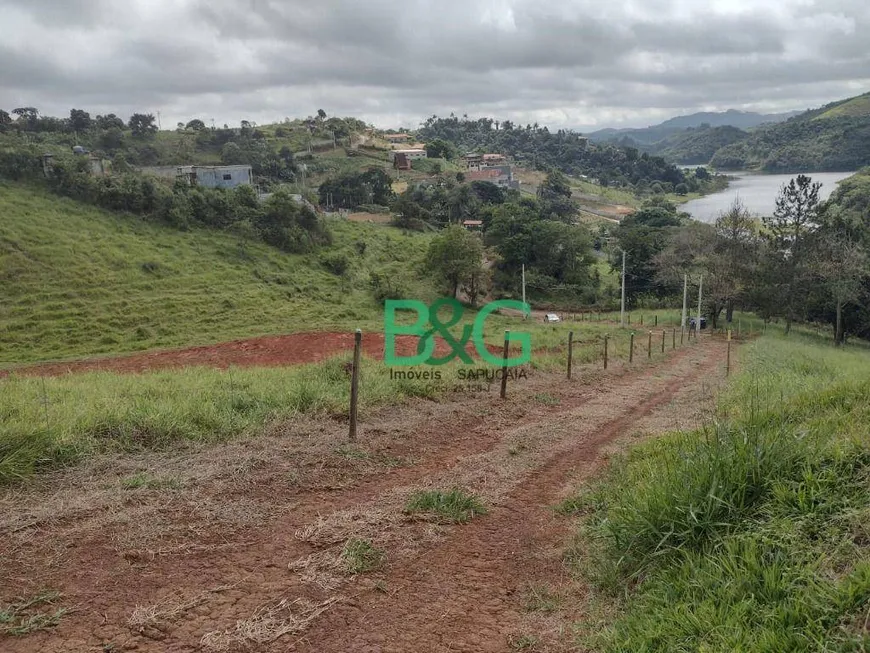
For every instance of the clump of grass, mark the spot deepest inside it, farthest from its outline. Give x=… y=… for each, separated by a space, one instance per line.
x=547 y=399
x=454 y=506
x=540 y=598
x=360 y=556
x=524 y=642
x=743 y=536
x=23 y=617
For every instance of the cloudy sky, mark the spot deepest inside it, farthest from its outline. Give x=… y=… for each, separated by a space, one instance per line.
x=567 y=63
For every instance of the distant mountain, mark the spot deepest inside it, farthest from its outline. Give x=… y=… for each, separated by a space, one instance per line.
x=655 y=133
x=835 y=137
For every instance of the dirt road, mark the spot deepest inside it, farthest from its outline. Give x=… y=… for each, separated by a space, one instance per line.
x=239 y=547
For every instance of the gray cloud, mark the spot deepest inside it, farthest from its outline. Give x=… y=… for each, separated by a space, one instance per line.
x=567 y=64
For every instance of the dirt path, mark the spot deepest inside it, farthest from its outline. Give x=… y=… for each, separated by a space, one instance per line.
x=239 y=546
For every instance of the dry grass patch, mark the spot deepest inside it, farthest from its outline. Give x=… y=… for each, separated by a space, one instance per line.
x=168 y=609
x=268 y=623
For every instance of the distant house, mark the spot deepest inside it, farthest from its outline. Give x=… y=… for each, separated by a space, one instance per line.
x=410 y=155
x=475 y=161
x=502 y=175
x=401 y=162
x=493 y=159
x=473 y=225
x=397 y=138
x=217 y=176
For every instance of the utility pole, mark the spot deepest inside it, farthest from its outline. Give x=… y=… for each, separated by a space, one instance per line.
x=159 y=126
x=622 y=308
x=685 y=300
x=700 y=294
x=524 y=289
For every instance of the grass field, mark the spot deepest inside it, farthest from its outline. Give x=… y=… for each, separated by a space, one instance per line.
x=750 y=534
x=76 y=281
x=50 y=422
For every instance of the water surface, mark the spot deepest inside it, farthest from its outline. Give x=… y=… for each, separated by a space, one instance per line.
x=757 y=192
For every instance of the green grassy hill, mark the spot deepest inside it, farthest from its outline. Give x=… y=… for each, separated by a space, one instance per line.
x=835 y=137
x=77 y=281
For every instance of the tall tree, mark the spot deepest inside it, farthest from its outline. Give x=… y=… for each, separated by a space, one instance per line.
x=28 y=117
x=79 y=120
x=789 y=233
x=455 y=256
x=842 y=266
x=736 y=250
x=142 y=125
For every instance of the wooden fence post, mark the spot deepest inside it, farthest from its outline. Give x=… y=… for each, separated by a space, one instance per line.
x=728 y=359
x=570 y=350
x=649 y=346
x=656 y=321
x=354 y=382
x=606 y=341
x=674 y=340
x=504 y=369
x=631 y=349
x=641 y=319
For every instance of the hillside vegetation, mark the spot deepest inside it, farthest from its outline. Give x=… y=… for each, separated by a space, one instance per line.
x=835 y=137
x=76 y=280
x=751 y=533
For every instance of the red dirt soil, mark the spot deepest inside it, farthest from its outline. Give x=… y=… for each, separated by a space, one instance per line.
x=210 y=554
x=266 y=351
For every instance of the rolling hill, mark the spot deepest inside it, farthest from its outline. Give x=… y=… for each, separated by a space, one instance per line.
x=77 y=281
x=835 y=137
x=655 y=133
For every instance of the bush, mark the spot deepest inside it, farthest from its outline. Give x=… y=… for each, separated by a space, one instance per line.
x=336 y=262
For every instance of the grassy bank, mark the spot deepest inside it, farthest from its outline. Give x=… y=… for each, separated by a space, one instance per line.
x=752 y=534
x=57 y=421
x=77 y=281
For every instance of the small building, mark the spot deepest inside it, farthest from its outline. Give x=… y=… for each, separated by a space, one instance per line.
x=473 y=225
x=502 y=175
x=493 y=159
x=411 y=155
x=397 y=138
x=217 y=176
x=401 y=162
x=473 y=161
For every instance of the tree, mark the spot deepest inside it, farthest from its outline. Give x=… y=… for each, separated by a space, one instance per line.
x=789 y=233
x=142 y=125
x=28 y=117
x=842 y=266
x=5 y=120
x=321 y=114
x=440 y=149
x=109 y=121
x=455 y=256
x=462 y=203
x=196 y=125
x=79 y=120
x=736 y=250
x=643 y=235
x=231 y=154
x=681 y=189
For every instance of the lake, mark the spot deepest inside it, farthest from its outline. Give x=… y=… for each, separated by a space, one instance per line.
x=757 y=192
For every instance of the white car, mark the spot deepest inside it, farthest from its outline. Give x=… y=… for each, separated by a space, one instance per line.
x=551 y=317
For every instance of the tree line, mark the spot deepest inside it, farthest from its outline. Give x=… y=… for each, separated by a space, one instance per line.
x=280 y=220
x=537 y=147
x=806 y=261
